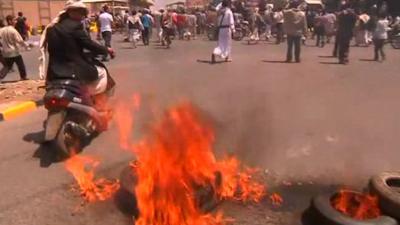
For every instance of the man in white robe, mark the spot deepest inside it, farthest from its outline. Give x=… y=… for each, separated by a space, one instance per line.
x=226 y=26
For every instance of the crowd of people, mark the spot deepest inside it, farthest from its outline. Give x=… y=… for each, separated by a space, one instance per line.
x=296 y=23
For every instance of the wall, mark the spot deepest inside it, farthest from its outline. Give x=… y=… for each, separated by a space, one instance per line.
x=30 y=9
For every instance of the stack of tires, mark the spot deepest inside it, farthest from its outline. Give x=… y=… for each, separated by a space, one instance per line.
x=386 y=186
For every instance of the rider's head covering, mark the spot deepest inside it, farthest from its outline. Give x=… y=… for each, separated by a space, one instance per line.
x=75 y=4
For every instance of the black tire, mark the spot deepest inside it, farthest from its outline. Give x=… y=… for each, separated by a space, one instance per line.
x=395 y=42
x=389 y=198
x=128 y=179
x=211 y=35
x=205 y=195
x=323 y=213
x=238 y=36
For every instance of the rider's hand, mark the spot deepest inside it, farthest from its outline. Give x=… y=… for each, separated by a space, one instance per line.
x=111 y=52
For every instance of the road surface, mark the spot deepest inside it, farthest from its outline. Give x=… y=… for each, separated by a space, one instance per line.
x=312 y=125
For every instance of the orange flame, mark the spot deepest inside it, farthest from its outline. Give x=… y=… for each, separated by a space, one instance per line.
x=82 y=168
x=276 y=199
x=124 y=119
x=357 y=206
x=175 y=161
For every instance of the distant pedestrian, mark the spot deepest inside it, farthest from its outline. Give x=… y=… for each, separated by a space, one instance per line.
x=295 y=26
x=106 y=20
x=361 y=31
x=346 y=22
x=380 y=36
x=330 y=26
x=21 y=26
x=167 y=21
x=148 y=22
x=226 y=26
x=258 y=23
x=268 y=18
x=181 y=23
x=279 y=20
x=191 y=25
x=319 y=29
x=310 y=16
x=135 y=26
x=11 y=40
x=157 y=24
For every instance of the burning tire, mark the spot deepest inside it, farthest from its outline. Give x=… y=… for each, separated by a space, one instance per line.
x=323 y=212
x=205 y=196
x=387 y=187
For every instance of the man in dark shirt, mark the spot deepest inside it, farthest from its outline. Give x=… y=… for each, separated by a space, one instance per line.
x=346 y=22
x=20 y=26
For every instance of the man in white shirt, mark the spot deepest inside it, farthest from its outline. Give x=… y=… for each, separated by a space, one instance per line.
x=106 y=21
x=11 y=40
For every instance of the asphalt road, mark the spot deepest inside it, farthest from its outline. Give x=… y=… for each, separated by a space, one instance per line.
x=316 y=122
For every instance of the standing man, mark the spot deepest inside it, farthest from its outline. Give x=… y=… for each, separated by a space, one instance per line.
x=379 y=37
x=10 y=40
x=346 y=22
x=295 y=26
x=147 y=21
x=21 y=26
x=226 y=26
x=106 y=21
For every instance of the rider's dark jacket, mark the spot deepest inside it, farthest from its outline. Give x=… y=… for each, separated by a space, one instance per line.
x=66 y=42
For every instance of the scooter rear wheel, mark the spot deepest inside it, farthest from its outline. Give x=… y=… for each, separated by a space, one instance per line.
x=66 y=143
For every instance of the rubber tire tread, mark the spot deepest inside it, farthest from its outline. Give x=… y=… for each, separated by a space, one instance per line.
x=326 y=215
x=389 y=200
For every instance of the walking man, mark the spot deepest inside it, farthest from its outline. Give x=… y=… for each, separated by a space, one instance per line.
x=135 y=27
x=11 y=40
x=147 y=21
x=226 y=26
x=346 y=22
x=106 y=21
x=295 y=26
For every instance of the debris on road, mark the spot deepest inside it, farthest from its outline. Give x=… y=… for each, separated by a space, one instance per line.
x=21 y=90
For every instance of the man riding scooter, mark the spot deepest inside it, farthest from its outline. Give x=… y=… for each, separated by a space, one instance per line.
x=76 y=83
x=65 y=41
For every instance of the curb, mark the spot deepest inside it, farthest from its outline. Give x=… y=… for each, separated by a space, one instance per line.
x=19 y=109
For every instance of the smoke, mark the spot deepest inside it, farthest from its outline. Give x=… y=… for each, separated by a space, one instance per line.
x=330 y=137
x=300 y=125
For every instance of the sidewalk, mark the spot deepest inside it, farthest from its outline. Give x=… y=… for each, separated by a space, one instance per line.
x=18 y=97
